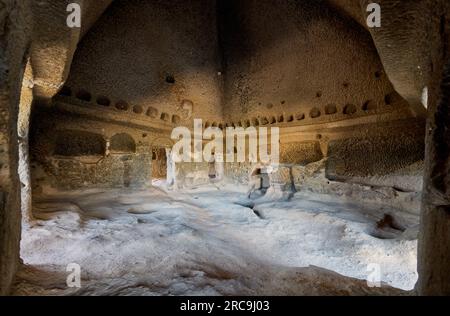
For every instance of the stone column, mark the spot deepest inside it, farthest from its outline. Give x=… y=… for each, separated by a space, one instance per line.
x=14 y=41
x=23 y=129
x=434 y=239
x=171 y=177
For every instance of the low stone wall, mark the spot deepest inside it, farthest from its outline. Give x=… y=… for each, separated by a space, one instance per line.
x=77 y=153
x=114 y=171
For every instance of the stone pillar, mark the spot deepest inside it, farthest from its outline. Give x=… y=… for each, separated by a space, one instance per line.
x=434 y=239
x=171 y=178
x=23 y=129
x=14 y=41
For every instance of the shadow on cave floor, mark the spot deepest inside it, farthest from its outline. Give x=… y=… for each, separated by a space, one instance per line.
x=269 y=281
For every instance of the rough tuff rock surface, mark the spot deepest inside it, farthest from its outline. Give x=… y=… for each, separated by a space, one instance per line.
x=86 y=116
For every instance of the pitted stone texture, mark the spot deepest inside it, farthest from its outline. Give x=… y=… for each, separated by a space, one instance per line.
x=14 y=40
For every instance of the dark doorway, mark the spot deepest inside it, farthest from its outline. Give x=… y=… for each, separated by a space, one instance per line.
x=159 y=163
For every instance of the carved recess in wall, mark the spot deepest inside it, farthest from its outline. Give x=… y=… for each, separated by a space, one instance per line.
x=392 y=103
x=374 y=155
x=186 y=109
x=300 y=153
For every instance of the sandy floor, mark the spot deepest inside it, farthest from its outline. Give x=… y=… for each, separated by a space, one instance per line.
x=212 y=241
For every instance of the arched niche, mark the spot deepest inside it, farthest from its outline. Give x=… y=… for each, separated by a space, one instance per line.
x=74 y=143
x=122 y=143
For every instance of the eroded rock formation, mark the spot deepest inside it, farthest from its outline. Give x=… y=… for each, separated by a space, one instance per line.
x=350 y=102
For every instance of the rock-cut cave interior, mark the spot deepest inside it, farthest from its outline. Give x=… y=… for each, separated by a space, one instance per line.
x=356 y=201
